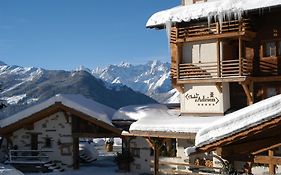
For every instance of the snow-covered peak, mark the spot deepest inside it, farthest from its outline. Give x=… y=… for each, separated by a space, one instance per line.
x=124 y=64
x=150 y=78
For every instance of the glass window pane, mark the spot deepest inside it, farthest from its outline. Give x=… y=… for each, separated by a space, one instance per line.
x=270 y=49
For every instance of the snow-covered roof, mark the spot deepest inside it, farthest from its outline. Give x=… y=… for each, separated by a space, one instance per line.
x=172 y=124
x=74 y=101
x=136 y=112
x=162 y=119
x=218 y=8
x=239 y=121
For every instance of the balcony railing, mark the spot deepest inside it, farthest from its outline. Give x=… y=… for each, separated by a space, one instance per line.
x=199 y=30
x=26 y=156
x=226 y=68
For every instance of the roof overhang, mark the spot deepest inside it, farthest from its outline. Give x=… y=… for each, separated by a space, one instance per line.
x=219 y=8
x=267 y=133
x=52 y=109
x=160 y=134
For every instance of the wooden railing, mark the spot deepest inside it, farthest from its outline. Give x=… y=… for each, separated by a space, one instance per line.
x=209 y=29
x=269 y=66
x=227 y=68
x=27 y=156
x=178 y=166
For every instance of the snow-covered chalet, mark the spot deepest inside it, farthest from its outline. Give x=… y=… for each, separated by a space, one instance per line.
x=45 y=136
x=225 y=56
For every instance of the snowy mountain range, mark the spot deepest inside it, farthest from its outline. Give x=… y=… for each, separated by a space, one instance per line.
x=151 y=79
x=23 y=86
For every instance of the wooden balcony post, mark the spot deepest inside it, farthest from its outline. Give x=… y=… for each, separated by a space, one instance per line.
x=218 y=58
x=75 y=153
x=178 y=56
x=218 y=27
x=240 y=56
x=156 y=157
x=271 y=166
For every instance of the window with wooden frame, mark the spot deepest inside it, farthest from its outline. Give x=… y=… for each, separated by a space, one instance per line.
x=272 y=48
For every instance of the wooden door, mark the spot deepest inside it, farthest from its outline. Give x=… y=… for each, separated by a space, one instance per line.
x=34 y=141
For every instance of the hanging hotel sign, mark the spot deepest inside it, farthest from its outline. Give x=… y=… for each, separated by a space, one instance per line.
x=203 y=100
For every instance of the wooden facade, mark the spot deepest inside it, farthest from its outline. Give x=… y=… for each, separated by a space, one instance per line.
x=246 y=61
x=248 y=53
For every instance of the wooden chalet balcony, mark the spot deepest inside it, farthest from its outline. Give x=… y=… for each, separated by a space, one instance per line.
x=196 y=32
x=211 y=70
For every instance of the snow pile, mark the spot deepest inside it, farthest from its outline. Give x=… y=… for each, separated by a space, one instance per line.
x=162 y=119
x=136 y=112
x=9 y=170
x=218 y=10
x=74 y=101
x=240 y=120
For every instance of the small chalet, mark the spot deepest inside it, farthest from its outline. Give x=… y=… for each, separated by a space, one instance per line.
x=225 y=56
x=49 y=132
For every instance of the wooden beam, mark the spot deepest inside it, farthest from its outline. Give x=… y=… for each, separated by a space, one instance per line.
x=218 y=58
x=162 y=134
x=213 y=80
x=245 y=35
x=75 y=153
x=272 y=162
x=267 y=159
x=156 y=159
x=249 y=94
x=240 y=56
x=95 y=135
x=267 y=148
x=150 y=144
x=250 y=146
x=219 y=86
x=265 y=79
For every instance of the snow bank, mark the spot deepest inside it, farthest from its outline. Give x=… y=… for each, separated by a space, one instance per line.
x=220 y=9
x=240 y=120
x=136 y=112
x=9 y=170
x=74 y=101
x=162 y=119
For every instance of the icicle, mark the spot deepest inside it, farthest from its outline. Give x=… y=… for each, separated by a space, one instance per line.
x=168 y=26
x=209 y=20
x=239 y=15
x=228 y=14
x=220 y=19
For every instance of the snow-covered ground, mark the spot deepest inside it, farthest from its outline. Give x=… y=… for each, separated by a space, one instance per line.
x=105 y=165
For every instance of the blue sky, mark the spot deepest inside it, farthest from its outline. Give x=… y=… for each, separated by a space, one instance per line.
x=63 y=34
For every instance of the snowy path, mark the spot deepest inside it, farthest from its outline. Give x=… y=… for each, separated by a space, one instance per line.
x=103 y=166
